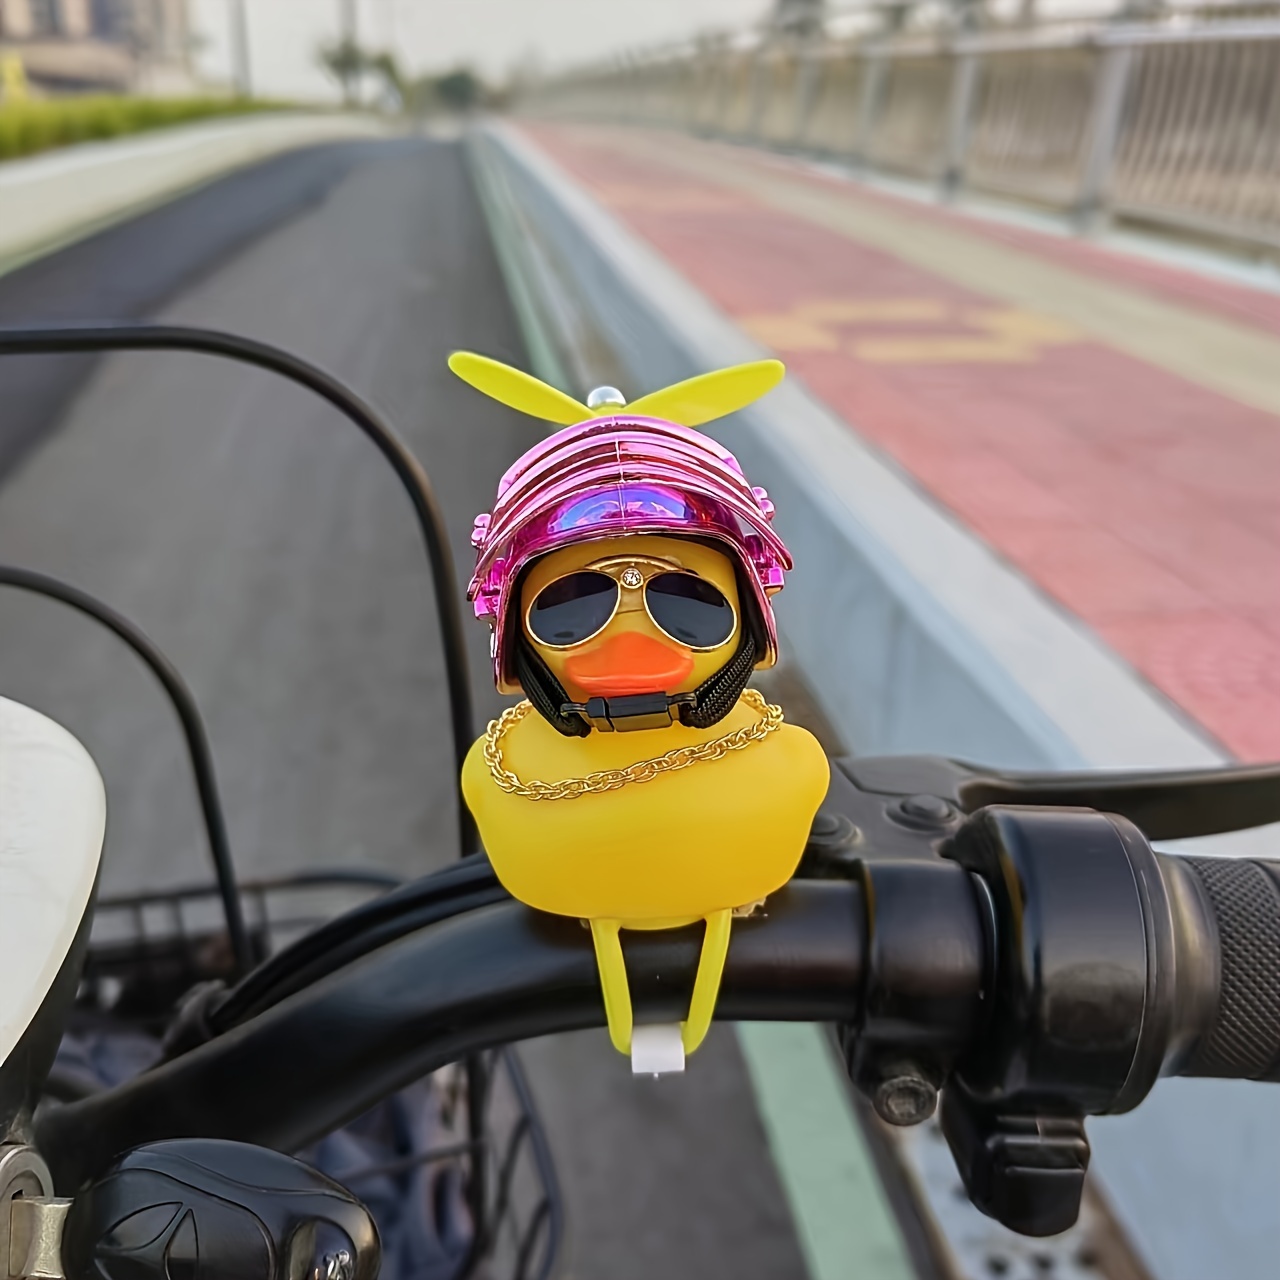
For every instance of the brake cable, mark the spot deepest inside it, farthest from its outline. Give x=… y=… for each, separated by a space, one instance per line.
x=193 y=730
x=409 y=471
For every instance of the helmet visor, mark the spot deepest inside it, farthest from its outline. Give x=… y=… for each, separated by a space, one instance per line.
x=620 y=504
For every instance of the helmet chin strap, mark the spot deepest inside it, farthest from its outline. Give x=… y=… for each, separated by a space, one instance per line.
x=704 y=706
x=546 y=693
x=717 y=696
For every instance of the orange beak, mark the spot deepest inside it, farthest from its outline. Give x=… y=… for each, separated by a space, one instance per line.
x=629 y=663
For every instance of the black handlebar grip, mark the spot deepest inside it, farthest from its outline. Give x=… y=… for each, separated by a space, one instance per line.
x=216 y=1211
x=1242 y=1041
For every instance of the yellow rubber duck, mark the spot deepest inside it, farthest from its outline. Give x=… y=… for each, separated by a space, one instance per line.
x=626 y=570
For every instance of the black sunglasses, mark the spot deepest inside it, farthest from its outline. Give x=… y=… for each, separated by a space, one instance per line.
x=573 y=609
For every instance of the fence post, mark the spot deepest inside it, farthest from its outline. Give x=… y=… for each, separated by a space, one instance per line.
x=960 y=109
x=689 y=89
x=625 y=102
x=717 y=75
x=761 y=87
x=706 y=96
x=639 y=93
x=808 y=78
x=873 y=93
x=724 y=95
x=1106 y=118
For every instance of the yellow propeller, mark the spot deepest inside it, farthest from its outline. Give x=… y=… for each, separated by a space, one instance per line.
x=518 y=390
x=711 y=395
x=690 y=403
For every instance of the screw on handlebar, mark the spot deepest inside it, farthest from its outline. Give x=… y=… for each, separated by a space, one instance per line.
x=905 y=1099
x=336 y=1266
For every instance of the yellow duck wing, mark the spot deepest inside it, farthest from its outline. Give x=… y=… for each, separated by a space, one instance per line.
x=518 y=390
x=711 y=395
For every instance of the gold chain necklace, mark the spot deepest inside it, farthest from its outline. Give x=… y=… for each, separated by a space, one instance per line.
x=641 y=771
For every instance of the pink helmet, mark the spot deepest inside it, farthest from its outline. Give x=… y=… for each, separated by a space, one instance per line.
x=622 y=474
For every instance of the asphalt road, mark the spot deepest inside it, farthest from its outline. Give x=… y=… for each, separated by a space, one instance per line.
x=128 y=270
x=263 y=543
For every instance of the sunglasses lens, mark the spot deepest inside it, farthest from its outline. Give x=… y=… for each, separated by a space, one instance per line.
x=572 y=609
x=690 y=610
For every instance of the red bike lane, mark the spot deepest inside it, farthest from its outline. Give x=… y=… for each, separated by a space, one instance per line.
x=1133 y=492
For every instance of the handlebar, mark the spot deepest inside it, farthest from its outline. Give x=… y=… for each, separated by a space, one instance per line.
x=489 y=976
x=1240 y=966
x=1032 y=965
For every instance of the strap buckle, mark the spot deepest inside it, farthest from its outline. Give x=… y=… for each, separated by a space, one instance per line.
x=635 y=711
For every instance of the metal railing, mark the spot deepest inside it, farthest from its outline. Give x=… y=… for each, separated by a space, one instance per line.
x=1169 y=124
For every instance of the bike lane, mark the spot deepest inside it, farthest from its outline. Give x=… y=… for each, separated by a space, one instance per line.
x=1108 y=424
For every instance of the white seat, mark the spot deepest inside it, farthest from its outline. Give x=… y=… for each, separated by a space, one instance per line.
x=52 y=821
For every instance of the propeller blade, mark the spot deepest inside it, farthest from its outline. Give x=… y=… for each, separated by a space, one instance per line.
x=518 y=390
x=711 y=395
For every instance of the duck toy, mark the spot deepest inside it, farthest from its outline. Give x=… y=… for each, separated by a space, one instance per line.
x=626 y=572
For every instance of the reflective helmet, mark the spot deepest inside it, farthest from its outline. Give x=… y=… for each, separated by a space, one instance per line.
x=617 y=475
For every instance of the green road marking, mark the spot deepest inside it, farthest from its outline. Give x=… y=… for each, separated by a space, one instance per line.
x=496 y=203
x=843 y=1220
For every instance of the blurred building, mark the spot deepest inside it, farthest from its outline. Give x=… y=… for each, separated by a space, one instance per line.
x=100 y=46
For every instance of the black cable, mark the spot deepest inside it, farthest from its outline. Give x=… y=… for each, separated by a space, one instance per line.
x=479 y=1080
x=156 y=337
x=494 y=975
x=406 y=1164
x=285 y=984
x=456 y=888
x=542 y=1156
x=192 y=728
x=345 y=876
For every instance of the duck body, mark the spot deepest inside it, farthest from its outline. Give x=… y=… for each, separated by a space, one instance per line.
x=720 y=834
x=626 y=572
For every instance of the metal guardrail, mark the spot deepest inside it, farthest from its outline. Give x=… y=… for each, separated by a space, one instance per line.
x=1161 y=123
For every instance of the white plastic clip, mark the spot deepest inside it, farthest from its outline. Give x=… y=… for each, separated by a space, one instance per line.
x=656 y=1049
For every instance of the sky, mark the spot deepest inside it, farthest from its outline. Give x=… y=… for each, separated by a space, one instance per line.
x=492 y=36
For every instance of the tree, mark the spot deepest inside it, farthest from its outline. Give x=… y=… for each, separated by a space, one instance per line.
x=347 y=62
x=457 y=92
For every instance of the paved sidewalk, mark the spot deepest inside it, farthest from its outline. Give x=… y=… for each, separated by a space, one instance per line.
x=1108 y=424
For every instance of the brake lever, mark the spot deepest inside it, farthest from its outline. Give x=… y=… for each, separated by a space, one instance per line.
x=213 y=1209
x=1165 y=804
